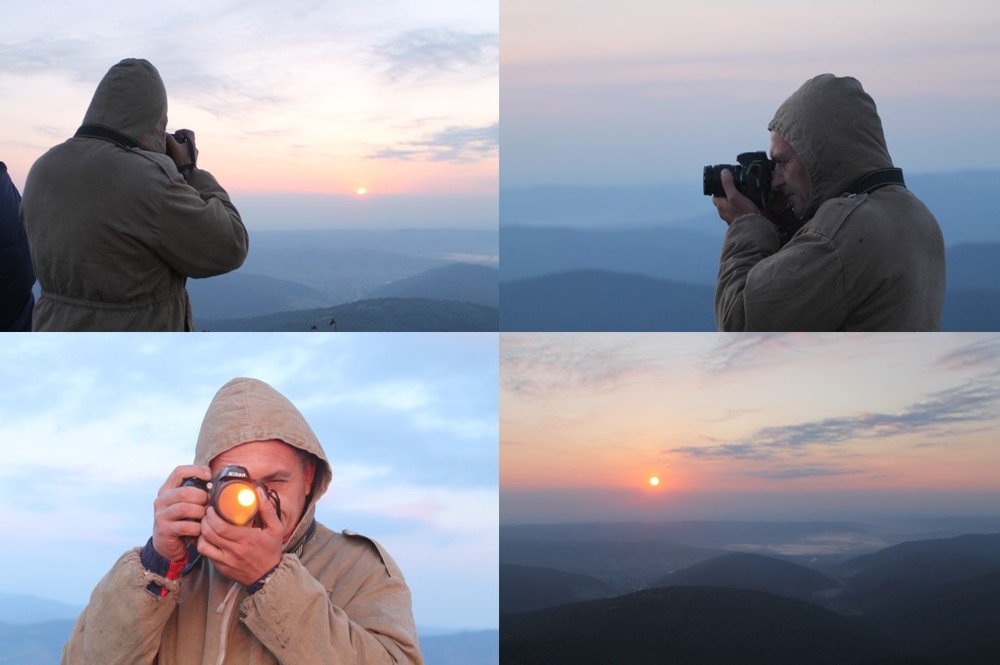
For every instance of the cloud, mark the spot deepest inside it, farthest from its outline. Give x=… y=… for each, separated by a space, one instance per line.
x=75 y=58
x=978 y=354
x=542 y=365
x=452 y=144
x=427 y=52
x=971 y=404
x=791 y=473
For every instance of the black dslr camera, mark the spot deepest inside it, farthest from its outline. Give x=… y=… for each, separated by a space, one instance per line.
x=752 y=177
x=234 y=495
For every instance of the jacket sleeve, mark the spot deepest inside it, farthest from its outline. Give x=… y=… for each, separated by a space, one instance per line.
x=123 y=622
x=200 y=232
x=296 y=620
x=765 y=287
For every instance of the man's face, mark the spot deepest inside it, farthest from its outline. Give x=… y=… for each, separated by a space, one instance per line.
x=790 y=176
x=280 y=468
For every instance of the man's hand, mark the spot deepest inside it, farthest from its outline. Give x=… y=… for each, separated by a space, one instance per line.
x=182 y=153
x=733 y=205
x=177 y=512
x=243 y=553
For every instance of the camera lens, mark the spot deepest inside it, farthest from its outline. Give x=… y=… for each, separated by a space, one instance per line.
x=236 y=502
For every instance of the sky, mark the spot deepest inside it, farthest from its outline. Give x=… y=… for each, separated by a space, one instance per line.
x=395 y=97
x=93 y=425
x=642 y=92
x=755 y=426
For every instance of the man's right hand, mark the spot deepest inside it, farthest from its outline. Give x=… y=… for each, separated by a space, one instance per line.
x=177 y=512
x=733 y=205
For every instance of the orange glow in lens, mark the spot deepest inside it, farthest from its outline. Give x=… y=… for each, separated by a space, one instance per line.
x=237 y=503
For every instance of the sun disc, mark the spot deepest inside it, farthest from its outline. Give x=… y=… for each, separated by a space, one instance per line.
x=654 y=480
x=362 y=191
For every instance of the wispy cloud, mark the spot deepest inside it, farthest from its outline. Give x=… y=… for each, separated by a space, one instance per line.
x=981 y=354
x=430 y=52
x=795 y=472
x=452 y=144
x=970 y=404
x=533 y=365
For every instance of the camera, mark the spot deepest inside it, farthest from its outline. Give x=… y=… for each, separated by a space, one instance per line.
x=183 y=136
x=234 y=495
x=752 y=177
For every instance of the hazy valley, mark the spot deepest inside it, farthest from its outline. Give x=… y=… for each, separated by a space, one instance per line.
x=354 y=280
x=751 y=592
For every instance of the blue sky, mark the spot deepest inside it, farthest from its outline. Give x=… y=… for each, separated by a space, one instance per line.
x=93 y=424
x=642 y=92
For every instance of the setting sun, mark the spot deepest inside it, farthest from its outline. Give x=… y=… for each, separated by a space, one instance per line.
x=362 y=191
x=654 y=481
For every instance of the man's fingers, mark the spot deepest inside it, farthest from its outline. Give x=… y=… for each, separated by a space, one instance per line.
x=178 y=475
x=727 y=183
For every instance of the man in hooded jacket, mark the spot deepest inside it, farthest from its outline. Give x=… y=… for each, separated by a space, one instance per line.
x=869 y=256
x=116 y=225
x=331 y=598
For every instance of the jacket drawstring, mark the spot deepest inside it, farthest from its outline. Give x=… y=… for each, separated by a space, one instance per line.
x=226 y=609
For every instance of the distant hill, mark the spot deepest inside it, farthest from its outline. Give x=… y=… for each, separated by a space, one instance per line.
x=954 y=623
x=524 y=588
x=665 y=252
x=986 y=546
x=688 y=626
x=23 y=609
x=35 y=644
x=755 y=572
x=470 y=648
x=625 y=565
x=956 y=199
x=600 y=301
x=379 y=315
x=346 y=265
x=462 y=282
x=240 y=294
x=896 y=576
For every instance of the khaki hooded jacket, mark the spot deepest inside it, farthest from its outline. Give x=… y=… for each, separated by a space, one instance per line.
x=335 y=598
x=867 y=262
x=116 y=231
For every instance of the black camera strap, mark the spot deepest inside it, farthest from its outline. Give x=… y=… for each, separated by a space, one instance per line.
x=108 y=134
x=877 y=179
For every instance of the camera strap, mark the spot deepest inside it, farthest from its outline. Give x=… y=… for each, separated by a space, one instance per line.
x=877 y=179
x=108 y=134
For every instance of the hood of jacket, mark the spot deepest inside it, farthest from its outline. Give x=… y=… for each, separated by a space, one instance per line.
x=833 y=125
x=246 y=410
x=132 y=99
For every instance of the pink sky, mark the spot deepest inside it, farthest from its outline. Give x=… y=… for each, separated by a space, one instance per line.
x=796 y=416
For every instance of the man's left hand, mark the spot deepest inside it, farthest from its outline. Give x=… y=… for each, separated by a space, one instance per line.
x=243 y=553
x=733 y=205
